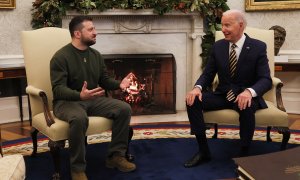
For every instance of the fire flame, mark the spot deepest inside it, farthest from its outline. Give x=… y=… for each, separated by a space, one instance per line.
x=136 y=92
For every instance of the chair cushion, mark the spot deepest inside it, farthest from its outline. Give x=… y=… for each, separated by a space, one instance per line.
x=60 y=129
x=12 y=167
x=270 y=116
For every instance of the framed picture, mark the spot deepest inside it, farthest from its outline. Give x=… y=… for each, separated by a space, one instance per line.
x=269 y=5
x=7 y=4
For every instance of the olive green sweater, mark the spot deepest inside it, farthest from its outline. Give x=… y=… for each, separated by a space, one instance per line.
x=70 y=67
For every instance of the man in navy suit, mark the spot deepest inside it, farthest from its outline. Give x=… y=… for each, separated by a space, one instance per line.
x=242 y=84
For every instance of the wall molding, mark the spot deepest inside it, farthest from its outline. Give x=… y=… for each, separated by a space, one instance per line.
x=293 y=55
x=11 y=61
x=18 y=60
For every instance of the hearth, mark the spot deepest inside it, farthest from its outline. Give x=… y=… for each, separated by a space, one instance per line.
x=153 y=85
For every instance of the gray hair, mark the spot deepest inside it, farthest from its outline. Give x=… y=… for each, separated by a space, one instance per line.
x=239 y=15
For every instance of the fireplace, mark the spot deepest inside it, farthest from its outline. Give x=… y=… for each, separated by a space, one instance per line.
x=144 y=32
x=153 y=86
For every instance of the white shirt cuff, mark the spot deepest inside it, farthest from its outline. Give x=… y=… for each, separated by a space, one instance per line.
x=198 y=86
x=253 y=93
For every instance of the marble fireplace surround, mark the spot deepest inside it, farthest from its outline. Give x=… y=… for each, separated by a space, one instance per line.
x=143 y=32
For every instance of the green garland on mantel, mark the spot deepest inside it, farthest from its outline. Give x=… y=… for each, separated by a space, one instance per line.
x=47 y=13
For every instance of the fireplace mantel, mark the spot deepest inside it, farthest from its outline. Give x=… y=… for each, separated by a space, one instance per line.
x=133 y=12
x=144 y=32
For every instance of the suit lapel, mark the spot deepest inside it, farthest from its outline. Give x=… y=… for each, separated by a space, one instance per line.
x=243 y=54
x=225 y=52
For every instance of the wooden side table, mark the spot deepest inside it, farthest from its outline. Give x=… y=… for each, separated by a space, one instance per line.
x=16 y=73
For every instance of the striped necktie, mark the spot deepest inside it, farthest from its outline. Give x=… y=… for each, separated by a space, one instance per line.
x=232 y=65
x=232 y=60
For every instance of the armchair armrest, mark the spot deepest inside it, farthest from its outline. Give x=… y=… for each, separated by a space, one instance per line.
x=277 y=83
x=33 y=91
x=274 y=94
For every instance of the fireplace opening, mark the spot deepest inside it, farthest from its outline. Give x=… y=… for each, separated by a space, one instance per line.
x=153 y=86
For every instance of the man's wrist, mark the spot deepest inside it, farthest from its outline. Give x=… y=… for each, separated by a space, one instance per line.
x=252 y=92
x=198 y=86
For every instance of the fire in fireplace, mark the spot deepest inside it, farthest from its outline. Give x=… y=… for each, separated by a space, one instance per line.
x=153 y=84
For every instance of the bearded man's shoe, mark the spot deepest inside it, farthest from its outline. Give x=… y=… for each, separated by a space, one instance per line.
x=78 y=175
x=121 y=163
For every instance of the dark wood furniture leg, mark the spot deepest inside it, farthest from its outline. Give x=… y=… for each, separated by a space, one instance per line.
x=29 y=110
x=17 y=83
x=129 y=156
x=1 y=152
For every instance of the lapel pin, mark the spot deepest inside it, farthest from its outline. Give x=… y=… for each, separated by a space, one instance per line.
x=248 y=47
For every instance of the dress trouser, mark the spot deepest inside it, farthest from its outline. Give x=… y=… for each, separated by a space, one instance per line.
x=211 y=101
x=76 y=114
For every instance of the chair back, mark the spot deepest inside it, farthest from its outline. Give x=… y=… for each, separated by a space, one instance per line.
x=264 y=35
x=38 y=48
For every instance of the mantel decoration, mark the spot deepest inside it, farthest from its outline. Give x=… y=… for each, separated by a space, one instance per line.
x=49 y=12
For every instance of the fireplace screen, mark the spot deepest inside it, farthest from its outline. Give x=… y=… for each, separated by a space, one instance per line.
x=152 y=89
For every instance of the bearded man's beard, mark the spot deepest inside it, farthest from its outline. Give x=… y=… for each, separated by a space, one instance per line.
x=88 y=42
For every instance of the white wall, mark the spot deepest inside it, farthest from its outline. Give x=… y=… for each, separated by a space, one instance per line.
x=16 y=20
x=12 y=23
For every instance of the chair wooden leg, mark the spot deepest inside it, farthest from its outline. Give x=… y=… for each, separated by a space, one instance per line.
x=269 y=139
x=212 y=125
x=286 y=134
x=34 y=133
x=129 y=156
x=215 y=136
x=1 y=152
x=55 y=147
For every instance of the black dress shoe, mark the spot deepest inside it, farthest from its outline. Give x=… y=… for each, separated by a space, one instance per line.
x=197 y=159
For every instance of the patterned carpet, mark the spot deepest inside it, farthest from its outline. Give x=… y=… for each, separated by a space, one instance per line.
x=24 y=146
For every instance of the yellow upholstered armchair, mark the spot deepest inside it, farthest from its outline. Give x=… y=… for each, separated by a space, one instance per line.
x=272 y=117
x=38 y=47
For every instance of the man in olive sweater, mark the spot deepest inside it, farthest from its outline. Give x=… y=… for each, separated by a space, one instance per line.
x=79 y=77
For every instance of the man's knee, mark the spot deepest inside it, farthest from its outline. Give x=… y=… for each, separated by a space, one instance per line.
x=249 y=110
x=125 y=108
x=197 y=104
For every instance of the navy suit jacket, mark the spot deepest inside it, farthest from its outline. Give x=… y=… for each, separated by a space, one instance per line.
x=252 y=69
